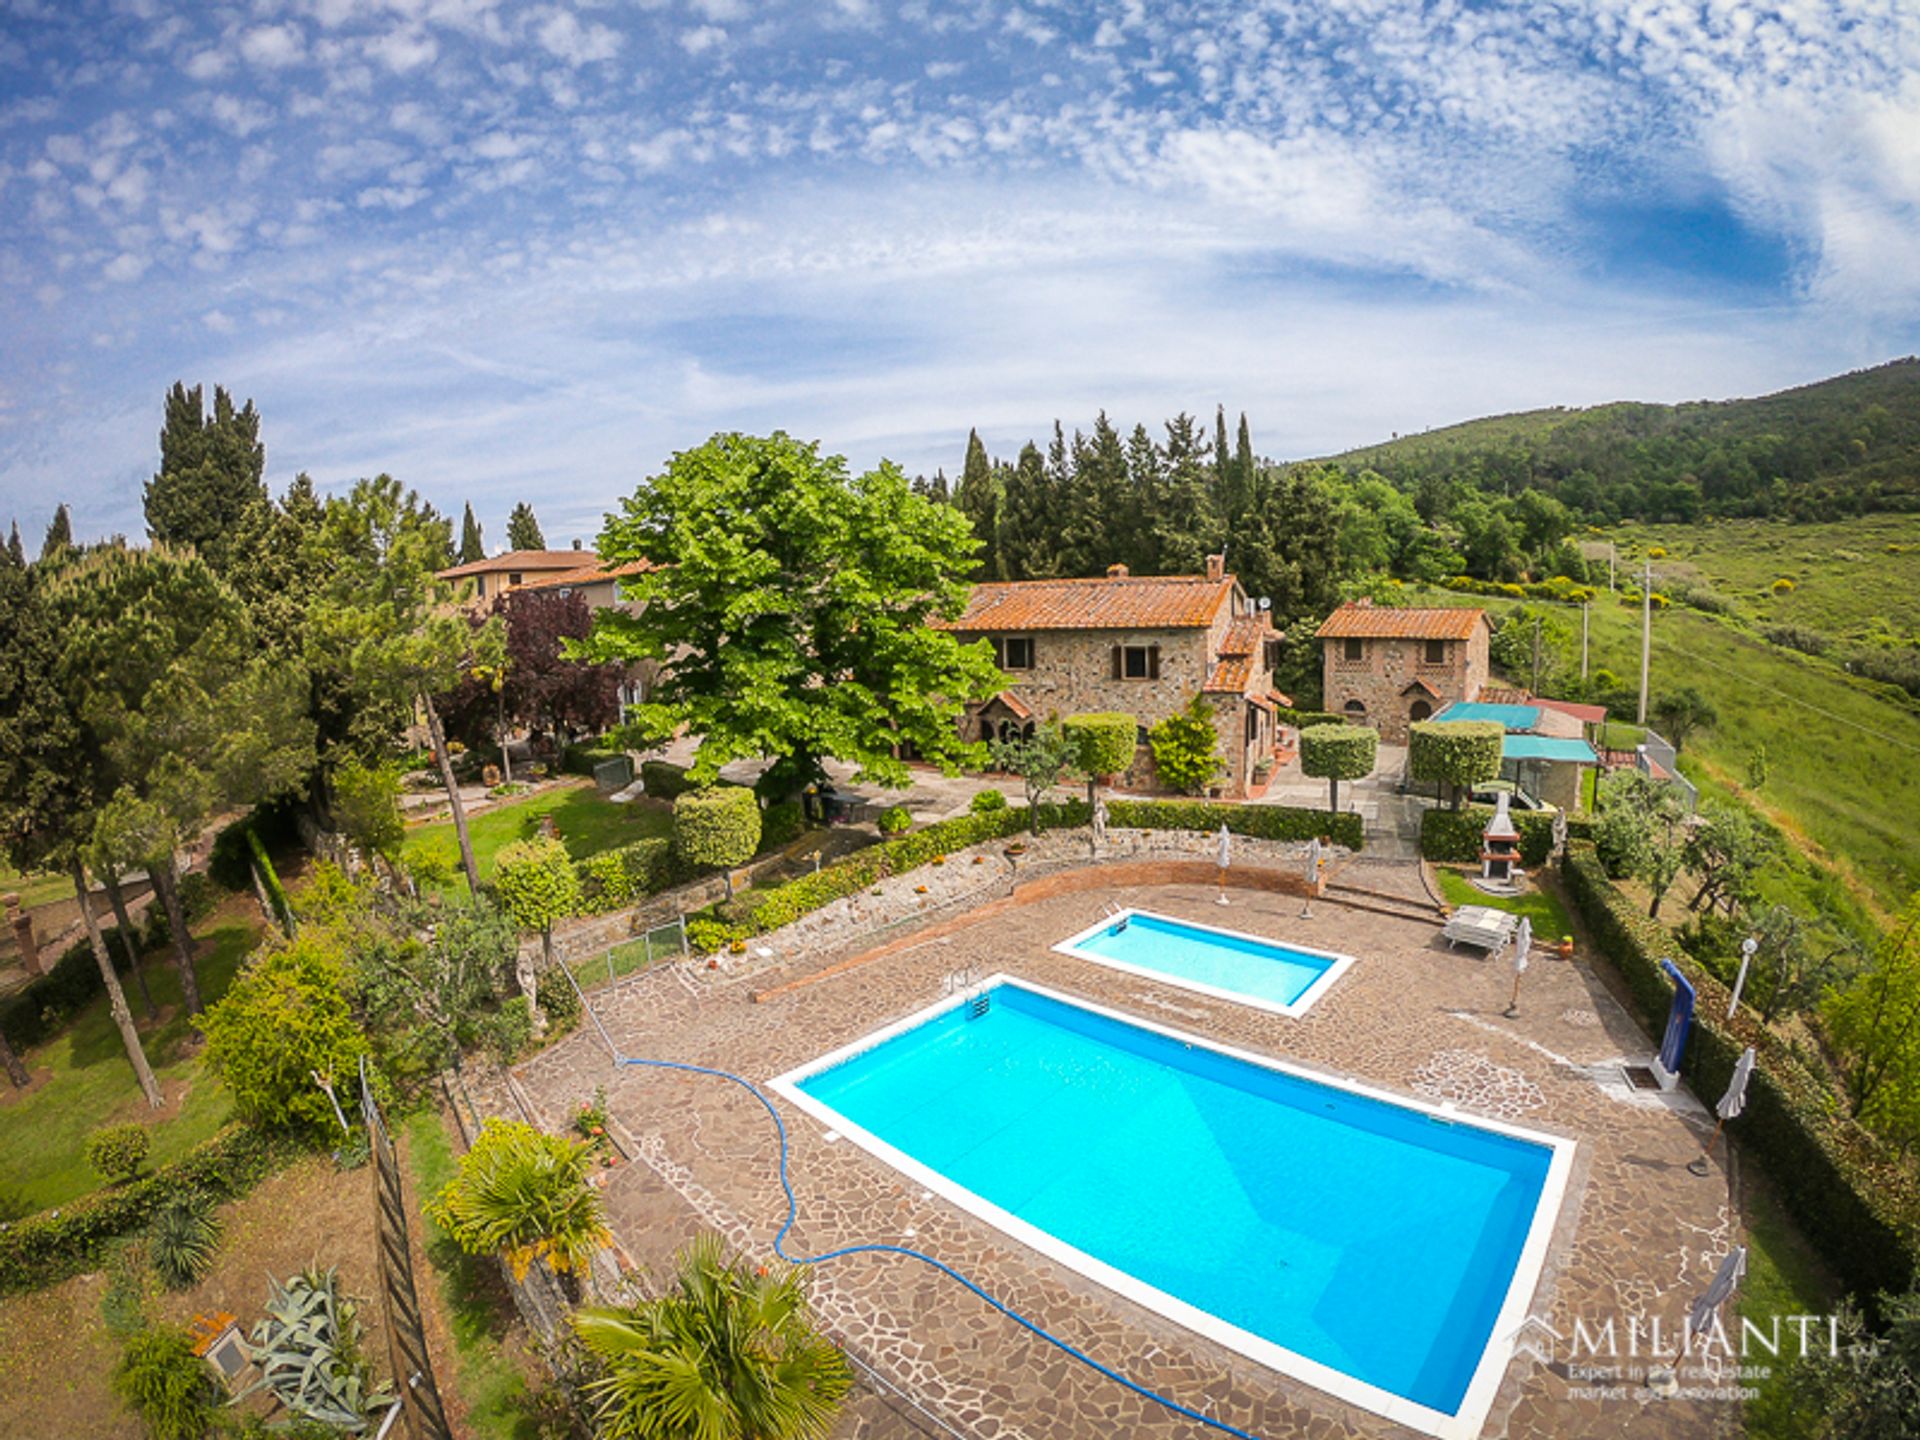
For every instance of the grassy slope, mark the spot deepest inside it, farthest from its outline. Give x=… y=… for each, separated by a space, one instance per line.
x=489 y=1384
x=1783 y=1278
x=1849 y=786
x=43 y=1135
x=34 y=889
x=587 y=824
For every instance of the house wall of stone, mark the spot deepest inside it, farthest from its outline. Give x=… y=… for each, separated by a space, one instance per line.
x=1379 y=679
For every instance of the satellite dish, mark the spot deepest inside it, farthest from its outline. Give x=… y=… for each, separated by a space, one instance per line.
x=1265 y=603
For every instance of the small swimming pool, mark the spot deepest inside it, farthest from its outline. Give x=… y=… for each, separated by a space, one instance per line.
x=1226 y=964
x=1381 y=1250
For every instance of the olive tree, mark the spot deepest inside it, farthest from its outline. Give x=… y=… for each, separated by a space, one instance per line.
x=1042 y=760
x=1457 y=753
x=537 y=885
x=718 y=827
x=1338 y=752
x=1104 y=744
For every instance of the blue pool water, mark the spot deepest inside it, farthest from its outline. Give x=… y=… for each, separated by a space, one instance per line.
x=1238 y=964
x=1365 y=1235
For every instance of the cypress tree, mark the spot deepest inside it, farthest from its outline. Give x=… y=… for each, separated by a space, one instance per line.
x=15 y=552
x=472 y=548
x=1240 y=495
x=978 y=498
x=1222 y=461
x=209 y=479
x=59 y=535
x=523 y=530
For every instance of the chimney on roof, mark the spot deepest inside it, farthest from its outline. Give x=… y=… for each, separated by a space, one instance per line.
x=1217 y=566
x=1116 y=572
x=576 y=542
x=1365 y=602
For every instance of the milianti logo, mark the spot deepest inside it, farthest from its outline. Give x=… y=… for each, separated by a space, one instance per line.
x=1639 y=1336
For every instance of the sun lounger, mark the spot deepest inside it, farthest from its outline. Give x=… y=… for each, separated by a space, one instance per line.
x=1480 y=926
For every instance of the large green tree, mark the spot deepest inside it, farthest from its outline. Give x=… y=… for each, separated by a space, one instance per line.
x=386 y=624
x=523 y=530
x=59 y=535
x=793 y=610
x=189 y=716
x=209 y=477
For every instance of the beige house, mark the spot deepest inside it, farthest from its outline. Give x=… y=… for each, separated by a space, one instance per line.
x=1142 y=645
x=498 y=574
x=1389 y=667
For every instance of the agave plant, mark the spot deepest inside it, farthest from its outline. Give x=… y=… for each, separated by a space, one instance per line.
x=728 y=1352
x=308 y=1351
x=523 y=1194
x=183 y=1238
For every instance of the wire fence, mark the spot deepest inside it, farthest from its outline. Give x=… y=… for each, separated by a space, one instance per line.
x=406 y=1336
x=659 y=942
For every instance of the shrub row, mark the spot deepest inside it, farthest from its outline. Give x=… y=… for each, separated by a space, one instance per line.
x=617 y=878
x=49 y=1247
x=664 y=780
x=1307 y=719
x=581 y=759
x=1559 y=588
x=1849 y=1192
x=760 y=913
x=1453 y=836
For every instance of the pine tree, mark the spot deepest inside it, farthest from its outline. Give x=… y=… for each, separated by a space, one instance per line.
x=1105 y=524
x=472 y=547
x=15 y=551
x=1147 y=475
x=1027 y=540
x=1187 y=524
x=209 y=479
x=523 y=531
x=59 y=535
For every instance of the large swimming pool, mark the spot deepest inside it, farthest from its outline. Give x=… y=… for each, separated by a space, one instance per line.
x=1226 y=964
x=1379 y=1249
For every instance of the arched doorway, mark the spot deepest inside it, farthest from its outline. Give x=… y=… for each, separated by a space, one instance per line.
x=1421 y=711
x=1357 y=711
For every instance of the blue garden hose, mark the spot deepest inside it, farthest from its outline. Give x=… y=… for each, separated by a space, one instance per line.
x=925 y=1259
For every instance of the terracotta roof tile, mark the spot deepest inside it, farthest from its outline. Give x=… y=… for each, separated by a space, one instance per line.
x=589 y=575
x=523 y=560
x=1382 y=622
x=1170 y=602
x=1246 y=634
x=1012 y=703
x=1229 y=677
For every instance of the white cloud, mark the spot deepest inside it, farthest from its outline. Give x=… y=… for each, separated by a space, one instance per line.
x=403 y=50
x=208 y=64
x=722 y=10
x=701 y=39
x=219 y=322
x=124 y=268
x=241 y=116
x=274 y=46
x=561 y=34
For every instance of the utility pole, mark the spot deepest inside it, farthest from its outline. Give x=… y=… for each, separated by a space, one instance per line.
x=1646 y=637
x=1536 y=654
x=1585 y=607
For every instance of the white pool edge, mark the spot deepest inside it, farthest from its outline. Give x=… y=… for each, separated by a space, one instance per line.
x=1298 y=1007
x=1465 y=1423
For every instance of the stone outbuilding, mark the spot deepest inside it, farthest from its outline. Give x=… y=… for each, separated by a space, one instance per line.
x=1142 y=645
x=1389 y=667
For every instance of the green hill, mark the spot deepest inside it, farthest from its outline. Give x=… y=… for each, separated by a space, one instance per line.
x=1845 y=446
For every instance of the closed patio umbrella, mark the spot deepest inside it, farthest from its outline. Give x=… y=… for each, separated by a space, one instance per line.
x=1522 y=953
x=1224 y=859
x=1732 y=1266
x=1729 y=1108
x=1313 y=875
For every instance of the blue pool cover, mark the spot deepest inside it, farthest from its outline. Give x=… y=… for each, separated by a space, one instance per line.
x=1241 y=964
x=1365 y=1235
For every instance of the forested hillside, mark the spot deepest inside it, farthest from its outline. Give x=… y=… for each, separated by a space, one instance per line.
x=1845 y=446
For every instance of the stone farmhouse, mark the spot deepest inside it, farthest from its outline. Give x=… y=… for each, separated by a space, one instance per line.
x=1141 y=645
x=1388 y=667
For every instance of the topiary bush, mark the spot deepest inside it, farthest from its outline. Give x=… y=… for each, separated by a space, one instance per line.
x=168 y=1386
x=1307 y=719
x=1335 y=753
x=718 y=827
x=1459 y=753
x=987 y=802
x=618 y=877
x=782 y=823
x=117 y=1152
x=664 y=780
x=1104 y=741
x=895 y=820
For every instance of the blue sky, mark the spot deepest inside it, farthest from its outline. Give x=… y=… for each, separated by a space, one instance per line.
x=525 y=251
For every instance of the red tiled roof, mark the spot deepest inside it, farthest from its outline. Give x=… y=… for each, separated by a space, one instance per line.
x=1585 y=714
x=1283 y=698
x=589 y=575
x=1125 y=602
x=1380 y=622
x=1012 y=703
x=523 y=560
x=1230 y=677
x=1418 y=684
x=1247 y=632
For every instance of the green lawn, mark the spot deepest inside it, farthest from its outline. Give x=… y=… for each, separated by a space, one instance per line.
x=587 y=824
x=491 y=1386
x=34 y=889
x=43 y=1135
x=1783 y=1278
x=1549 y=920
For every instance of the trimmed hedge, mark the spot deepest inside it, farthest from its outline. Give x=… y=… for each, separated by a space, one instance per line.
x=582 y=759
x=616 y=878
x=759 y=913
x=719 y=826
x=1459 y=752
x=664 y=780
x=46 y=1248
x=1347 y=753
x=1104 y=741
x=1453 y=836
x=1851 y=1194
x=1307 y=719
x=782 y=823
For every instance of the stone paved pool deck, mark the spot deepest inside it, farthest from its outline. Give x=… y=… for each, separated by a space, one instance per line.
x=1637 y=1234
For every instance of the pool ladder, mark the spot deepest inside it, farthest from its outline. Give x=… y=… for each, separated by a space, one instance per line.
x=966 y=981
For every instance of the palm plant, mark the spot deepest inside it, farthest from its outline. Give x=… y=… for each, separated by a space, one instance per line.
x=727 y=1353
x=524 y=1195
x=184 y=1237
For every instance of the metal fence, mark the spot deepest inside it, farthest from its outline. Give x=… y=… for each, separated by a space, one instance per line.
x=406 y=1337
